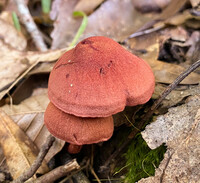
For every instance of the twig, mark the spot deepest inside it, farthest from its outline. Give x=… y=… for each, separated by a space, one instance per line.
x=147 y=31
x=78 y=175
x=37 y=163
x=171 y=87
x=30 y=25
x=57 y=172
x=95 y=175
x=150 y=112
x=166 y=165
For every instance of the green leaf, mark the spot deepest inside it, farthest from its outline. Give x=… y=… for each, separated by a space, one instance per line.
x=81 y=28
x=46 y=5
x=16 y=21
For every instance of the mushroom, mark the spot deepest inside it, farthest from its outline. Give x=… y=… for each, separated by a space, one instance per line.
x=89 y=84
x=77 y=130
x=98 y=78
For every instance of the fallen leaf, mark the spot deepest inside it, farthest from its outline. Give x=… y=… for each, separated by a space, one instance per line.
x=114 y=18
x=176 y=96
x=164 y=72
x=17 y=147
x=150 y=5
x=14 y=63
x=33 y=104
x=10 y=35
x=87 y=6
x=180 y=130
x=65 y=26
x=33 y=125
x=173 y=7
x=29 y=115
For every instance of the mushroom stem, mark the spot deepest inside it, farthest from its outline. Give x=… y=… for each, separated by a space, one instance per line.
x=73 y=148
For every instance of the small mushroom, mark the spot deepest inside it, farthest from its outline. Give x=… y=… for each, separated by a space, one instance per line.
x=77 y=130
x=89 y=84
x=98 y=78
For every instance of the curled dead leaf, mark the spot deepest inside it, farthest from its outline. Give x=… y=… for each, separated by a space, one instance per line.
x=19 y=150
x=29 y=115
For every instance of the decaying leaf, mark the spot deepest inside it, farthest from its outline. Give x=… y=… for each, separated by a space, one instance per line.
x=19 y=150
x=173 y=7
x=180 y=130
x=10 y=35
x=14 y=63
x=150 y=5
x=114 y=19
x=176 y=96
x=164 y=72
x=33 y=104
x=29 y=115
x=87 y=6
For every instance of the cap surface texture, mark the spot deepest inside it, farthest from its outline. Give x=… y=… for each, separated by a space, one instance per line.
x=98 y=78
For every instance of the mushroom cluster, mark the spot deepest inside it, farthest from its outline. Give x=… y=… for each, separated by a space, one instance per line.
x=89 y=84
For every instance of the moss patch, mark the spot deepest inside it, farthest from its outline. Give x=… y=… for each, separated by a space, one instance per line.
x=141 y=160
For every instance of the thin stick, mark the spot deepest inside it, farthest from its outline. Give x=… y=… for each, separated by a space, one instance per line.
x=150 y=112
x=37 y=163
x=58 y=172
x=147 y=31
x=166 y=92
x=166 y=165
x=30 y=25
x=95 y=175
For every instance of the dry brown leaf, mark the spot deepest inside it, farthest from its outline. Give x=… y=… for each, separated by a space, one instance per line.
x=32 y=104
x=150 y=5
x=19 y=150
x=114 y=18
x=164 y=72
x=10 y=67
x=29 y=115
x=176 y=96
x=33 y=125
x=10 y=35
x=65 y=25
x=173 y=7
x=179 y=18
x=14 y=63
x=87 y=6
x=158 y=21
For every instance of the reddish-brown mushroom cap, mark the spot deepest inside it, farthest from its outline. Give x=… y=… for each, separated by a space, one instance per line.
x=99 y=78
x=76 y=130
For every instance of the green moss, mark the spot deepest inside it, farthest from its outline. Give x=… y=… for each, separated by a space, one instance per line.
x=141 y=160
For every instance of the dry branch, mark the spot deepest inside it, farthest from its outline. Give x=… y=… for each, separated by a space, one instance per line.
x=57 y=173
x=30 y=25
x=37 y=163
